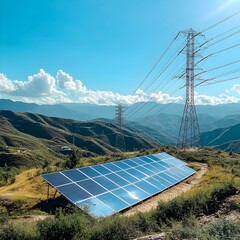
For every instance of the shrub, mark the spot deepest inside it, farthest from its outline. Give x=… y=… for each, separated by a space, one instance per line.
x=117 y=228
x=202 y=201
x=18 y=231
x=45 y=164
x=144 y=222
x=18 y=201
x=222 y=229
x=64 y=226
x=155 y=150
x=187 y=229
x=217 y=230
x=72 y=160
x=8 y=175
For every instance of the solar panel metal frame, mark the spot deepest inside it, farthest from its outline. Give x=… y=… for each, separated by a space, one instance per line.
x=164 y=159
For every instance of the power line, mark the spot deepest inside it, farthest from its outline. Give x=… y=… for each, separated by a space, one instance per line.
x=193 y=36
x=166 y=66
x=216 y=53
x=154 y=107
x=219 y=76
x=224 y=80
x=221 y=21
x=163 y=84
x=162 y=108
x=160 y=73
x=222 y=39
x=226 y=49
x=214 y=25
x=219 y=67
x=144 y=104
x=211 y=39
x=155 y=65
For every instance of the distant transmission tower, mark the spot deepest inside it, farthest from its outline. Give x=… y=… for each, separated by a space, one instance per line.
x=120 y=142
x=189 y=133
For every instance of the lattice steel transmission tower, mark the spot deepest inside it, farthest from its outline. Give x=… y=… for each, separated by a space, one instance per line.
x=189 y=133
x=120 y=141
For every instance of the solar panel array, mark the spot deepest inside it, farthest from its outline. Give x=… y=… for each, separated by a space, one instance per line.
x=112 y=187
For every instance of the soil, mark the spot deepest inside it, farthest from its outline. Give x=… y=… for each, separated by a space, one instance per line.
x=29 y=218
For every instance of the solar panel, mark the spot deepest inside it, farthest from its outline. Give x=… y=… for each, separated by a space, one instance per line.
x=112 y=187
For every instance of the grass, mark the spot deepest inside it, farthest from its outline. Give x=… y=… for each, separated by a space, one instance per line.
x=221 y=180
x=216 y=230
x=223 y=169
x=177 y=218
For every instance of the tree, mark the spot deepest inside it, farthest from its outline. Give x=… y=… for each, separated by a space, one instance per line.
x=72 y=160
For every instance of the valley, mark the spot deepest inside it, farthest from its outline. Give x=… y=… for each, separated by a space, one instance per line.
x=161 y=126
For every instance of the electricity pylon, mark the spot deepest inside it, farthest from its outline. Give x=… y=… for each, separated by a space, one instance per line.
x=120 y=141
x=189 y=133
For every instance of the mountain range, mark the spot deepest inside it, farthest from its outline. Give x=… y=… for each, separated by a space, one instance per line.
x=85 y=111
x=160 y=126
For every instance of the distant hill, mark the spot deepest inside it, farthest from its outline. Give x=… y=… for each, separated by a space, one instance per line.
x=153 y=108
x=158 y=136
x=85 y=111
x=73 y=111
x=169 y=124
x=225 y=121
x=227 y=138
x=232 y=146
x=34 y=131
x=166 y=124
x=162 y=124
x=143 y=129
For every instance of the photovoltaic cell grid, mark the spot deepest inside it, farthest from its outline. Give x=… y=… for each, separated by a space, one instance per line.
x=112 y=187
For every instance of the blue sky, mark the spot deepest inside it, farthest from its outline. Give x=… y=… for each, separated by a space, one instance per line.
x=99 y=51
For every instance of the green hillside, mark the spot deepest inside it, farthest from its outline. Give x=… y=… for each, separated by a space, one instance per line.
x=223 y=138
x=205 y=211
x=232 y=146
x=155 y=133
x=32 y=136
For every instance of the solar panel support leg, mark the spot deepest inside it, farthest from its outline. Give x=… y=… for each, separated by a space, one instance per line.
x=47 y=193
x=55 y=194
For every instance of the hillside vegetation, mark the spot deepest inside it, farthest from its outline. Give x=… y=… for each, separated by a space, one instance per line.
x=26 y=139
x=162 y=125
x=227 y=138
x=178 y=219
x=29 y=147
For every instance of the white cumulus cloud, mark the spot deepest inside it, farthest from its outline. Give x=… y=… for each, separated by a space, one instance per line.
x=6 y=85
x=43 y=88
x=65 y=81
x=201 y=99
x=235 y=88
x=39 y=85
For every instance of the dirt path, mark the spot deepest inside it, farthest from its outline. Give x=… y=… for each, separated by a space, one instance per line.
x=29 y=218
x=170 y=193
